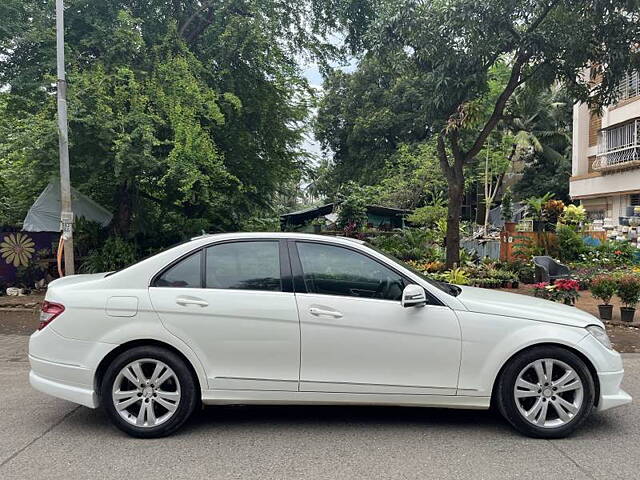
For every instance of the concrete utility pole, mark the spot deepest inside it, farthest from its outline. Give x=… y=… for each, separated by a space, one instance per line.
x=66 y=213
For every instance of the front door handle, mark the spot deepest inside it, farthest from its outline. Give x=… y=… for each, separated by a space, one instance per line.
x=184 y=301
x=321 y=311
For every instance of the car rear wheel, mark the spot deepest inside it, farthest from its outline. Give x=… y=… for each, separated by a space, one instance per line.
x=148 y=392
x=546 y=392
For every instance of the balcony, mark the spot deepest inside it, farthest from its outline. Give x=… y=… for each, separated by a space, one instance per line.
x=629 y=86
x=618 y=147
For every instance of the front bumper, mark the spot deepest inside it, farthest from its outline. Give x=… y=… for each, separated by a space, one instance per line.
x=611 y=395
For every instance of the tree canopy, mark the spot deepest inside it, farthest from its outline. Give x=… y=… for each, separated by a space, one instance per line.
x=183 y=115
x=440 y=58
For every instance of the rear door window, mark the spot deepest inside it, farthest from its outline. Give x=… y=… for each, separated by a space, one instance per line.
x=253 y=265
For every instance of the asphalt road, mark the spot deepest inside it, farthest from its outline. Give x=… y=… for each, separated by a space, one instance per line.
x=45 y=438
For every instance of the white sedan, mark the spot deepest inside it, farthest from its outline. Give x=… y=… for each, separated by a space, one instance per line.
x=278 y=318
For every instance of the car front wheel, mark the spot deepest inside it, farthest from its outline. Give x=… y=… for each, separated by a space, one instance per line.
x=148 y=392
x=546 y=392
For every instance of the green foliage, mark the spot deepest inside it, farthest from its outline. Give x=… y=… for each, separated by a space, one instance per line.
x=183 y=115
x=427 y=216
x=457 y=276
x=570 y=244
x=353 y=208
x=409 y=244
x=603 y=287
x=427 y=71
x=573 y=215
x=628 y=290
x=535 y=205
x=506 y=212
x=115 y=254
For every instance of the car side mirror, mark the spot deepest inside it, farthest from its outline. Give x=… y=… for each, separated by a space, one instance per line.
x=413 y=296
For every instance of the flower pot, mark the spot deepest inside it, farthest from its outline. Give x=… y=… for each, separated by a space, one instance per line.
x=606 y=312
x=510 y=227
x=627 y=314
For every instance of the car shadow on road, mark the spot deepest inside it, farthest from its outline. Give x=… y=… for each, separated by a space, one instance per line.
x=360 y=419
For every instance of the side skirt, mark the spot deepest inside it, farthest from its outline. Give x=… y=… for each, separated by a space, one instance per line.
x=265 y=397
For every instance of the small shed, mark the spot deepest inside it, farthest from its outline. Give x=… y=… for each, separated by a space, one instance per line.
x=379 y=217
x=44 y=214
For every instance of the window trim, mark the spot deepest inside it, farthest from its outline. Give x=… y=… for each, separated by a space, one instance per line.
x=298 y=272
x=155 y=278
x=286 y=282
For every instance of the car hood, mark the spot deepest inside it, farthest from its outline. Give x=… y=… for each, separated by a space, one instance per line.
x=492 y=302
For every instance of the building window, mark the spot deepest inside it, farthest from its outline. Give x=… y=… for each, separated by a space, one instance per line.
x=619 y=147
x=634 y=199
x=629 y=87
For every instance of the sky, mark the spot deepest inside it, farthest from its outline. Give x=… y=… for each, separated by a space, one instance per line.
x=312 y=74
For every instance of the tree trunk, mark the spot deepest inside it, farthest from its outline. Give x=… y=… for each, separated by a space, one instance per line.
x=123 y=215
x=454 y=210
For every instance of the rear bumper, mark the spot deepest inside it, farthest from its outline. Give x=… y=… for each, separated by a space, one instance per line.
x=65 y=367
x=72 y=393
x=611 y=395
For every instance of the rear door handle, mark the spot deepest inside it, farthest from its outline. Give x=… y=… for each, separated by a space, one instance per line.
x=322 y=312
x=184 y=301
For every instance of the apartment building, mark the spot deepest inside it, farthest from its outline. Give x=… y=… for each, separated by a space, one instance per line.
x=606 y=156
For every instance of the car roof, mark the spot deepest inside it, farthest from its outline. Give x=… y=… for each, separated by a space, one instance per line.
x=289 y=235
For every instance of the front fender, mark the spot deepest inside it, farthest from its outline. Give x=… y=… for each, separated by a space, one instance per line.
x=488 y=341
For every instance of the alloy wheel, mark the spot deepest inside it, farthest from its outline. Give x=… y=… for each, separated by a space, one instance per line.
x=548 y=393
x=146 y=393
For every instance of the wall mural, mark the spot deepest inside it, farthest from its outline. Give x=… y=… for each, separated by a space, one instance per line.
x=25 y=257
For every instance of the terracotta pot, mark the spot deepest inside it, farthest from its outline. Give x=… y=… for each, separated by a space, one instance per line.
x=627 y=314
x=606 y=312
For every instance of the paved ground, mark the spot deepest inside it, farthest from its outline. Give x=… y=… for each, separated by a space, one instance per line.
x=45 y=438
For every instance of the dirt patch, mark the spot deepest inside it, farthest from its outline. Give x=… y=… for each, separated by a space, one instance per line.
x=20 y=315
x=25 y=301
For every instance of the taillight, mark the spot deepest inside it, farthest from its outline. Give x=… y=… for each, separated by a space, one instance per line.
x=49 y=312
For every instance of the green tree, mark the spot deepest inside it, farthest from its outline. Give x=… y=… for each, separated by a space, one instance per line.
x=446 y=51
x=183 y=115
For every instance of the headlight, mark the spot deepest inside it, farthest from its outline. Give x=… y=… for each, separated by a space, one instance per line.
x=601 y=335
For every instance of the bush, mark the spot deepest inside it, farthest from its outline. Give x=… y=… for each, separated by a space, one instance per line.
x=603 y=287
x=427 y=216
x=115 y=254
x=628 y=289
x=525 y=271
x=409 y=244
x=570 y=244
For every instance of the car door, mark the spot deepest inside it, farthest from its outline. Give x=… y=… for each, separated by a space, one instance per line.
x=355 y=335
x=233 y=303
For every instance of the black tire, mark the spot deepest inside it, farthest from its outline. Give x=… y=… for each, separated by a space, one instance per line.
x=187 y=384
x=506 y=401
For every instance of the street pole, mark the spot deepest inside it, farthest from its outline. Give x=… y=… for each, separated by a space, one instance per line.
x=66 y=213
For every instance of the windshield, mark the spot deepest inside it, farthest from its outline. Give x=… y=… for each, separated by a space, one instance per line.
x=448 y=288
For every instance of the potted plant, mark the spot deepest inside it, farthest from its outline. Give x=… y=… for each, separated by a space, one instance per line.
x=603 y=287
x=317 y=224
x=535 y=208
x=552 y=211
x=628 y=290
x=566 y=291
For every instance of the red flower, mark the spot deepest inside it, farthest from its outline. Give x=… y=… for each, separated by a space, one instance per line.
x=541 y=285
x=618 y=252
x=567 y=285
